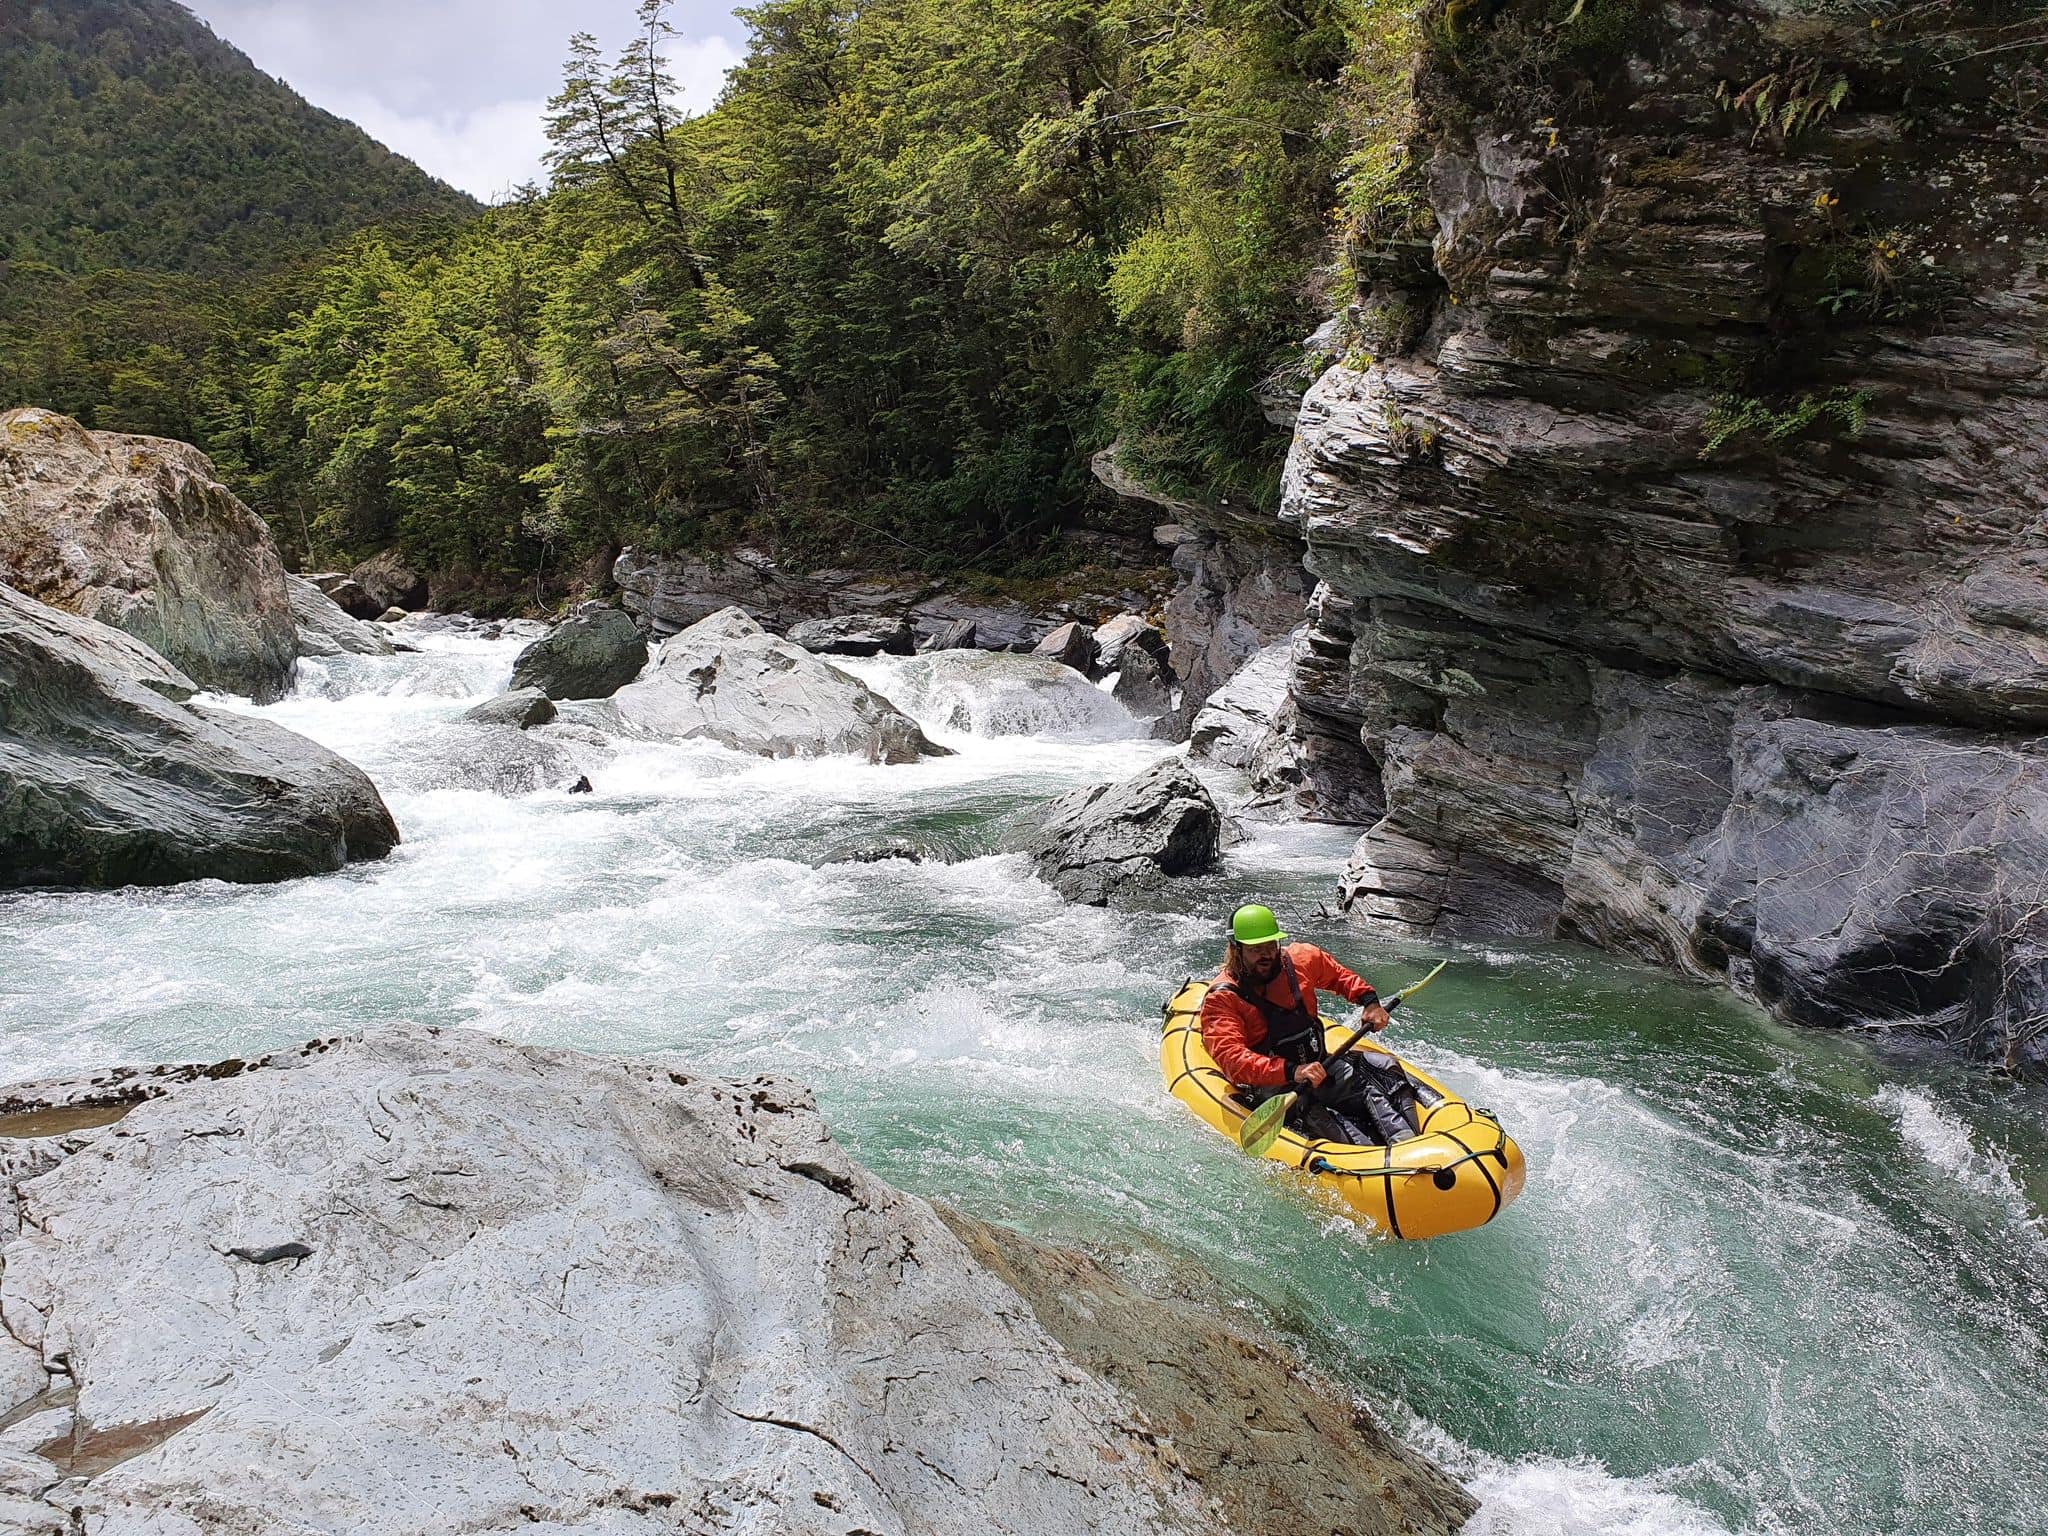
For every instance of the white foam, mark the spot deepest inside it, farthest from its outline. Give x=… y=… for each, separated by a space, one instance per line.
x=1946 y=1142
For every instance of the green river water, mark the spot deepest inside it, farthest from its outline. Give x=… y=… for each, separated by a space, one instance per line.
x=1762 y=1279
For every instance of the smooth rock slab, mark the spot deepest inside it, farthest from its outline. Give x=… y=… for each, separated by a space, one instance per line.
x=1122 y=839
x=538 y=1290
x=106 y=780
x=1229 y=727
x=726 y=679
x=592 y=654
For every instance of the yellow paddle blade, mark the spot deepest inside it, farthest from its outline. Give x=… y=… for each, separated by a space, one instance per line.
x=1414 y=987
x=1262 y=1127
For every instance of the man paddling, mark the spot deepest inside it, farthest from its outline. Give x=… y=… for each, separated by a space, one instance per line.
x=1261 y=1028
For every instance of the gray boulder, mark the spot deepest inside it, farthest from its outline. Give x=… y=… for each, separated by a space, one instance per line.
x=523 y=707
x=138 y=533
x=1123 y=839
x=592 y=654
x=390 y=582
x=1071 y=645
x=960 y=635
x=1126 y=632
x=726 y=679
x=348 y=594
x=107 y=780
x=539 y=1289
x=1141 y=686
x=1229 y=727
x=862 y=634
x=324 y=629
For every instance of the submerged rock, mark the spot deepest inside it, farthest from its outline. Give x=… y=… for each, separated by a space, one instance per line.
x=989 y=693
x=324 y=629
x=523 y=707
x=728 y=680
x=855 y=635
x=592 y=654
x=1120 y=839
x=542 y=1288
x=138 y=533
x=106 y=780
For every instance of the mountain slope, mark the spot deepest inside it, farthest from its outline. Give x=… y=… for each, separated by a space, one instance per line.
x=131 y=137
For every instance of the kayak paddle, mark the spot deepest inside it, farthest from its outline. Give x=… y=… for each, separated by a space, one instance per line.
x=1263 y=1125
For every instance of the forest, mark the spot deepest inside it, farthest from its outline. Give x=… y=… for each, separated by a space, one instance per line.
x=881 y=304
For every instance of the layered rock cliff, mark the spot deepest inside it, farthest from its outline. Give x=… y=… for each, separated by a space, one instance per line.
x=1679 y=503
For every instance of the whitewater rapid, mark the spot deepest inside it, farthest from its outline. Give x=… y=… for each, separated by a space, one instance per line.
x=1762 y=1280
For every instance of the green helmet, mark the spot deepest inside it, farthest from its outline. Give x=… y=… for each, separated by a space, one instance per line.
x=1256 y=925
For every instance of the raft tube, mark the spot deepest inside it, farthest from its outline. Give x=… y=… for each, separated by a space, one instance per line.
x=1459 y=1173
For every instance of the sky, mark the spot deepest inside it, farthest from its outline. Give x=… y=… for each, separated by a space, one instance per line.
x=458 y=85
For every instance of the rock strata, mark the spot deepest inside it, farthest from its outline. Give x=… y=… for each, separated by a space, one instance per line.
x=1681 y=542
x=1116 y=840
x=728 y=680
x=107 y=780
x=592 y=654
x=139 y=533
x=536 y=1289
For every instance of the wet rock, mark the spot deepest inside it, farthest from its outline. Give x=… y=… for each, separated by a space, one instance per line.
x=1598 y=639
x=1071 y=645
x=521 y=707
x=582 y=786
x=1141 y=687
x=1124 y=632
x=324 y=630
x=694 y=1298
x=592 y=654
x=1230 y=725
x=855 y=635
x=1122 y=839
x=879 y=853
x=393 y=616
x=1184 y=1362
x=139 y=533
x=960 y=635
x=728 y=680
x=390 y=582
x=106 y=780
x=348 y=594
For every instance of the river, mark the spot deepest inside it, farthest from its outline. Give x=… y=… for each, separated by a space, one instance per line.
x=1762 y=1280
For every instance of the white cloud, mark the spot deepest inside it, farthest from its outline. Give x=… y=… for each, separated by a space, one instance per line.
x=488 y=151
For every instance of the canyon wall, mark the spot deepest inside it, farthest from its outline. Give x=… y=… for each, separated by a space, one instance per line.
x=1678 y=505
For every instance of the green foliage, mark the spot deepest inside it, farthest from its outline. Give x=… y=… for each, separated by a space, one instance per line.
x=1789 y=101
x=1736 y=417
x=882 y=303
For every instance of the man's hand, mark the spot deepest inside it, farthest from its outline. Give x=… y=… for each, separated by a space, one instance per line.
x=1373 y=1018
x=1310 y=1075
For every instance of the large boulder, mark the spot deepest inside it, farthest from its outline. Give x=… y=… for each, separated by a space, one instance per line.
x=107 y=780
x=1123 y=839
x=1140 y=686
x=1071 y=645
x=535 y=1289
x=592 y=654
x=324 y=629
x=390 y=582
x=138 y=532
x=728 y=680
x=1126 y=632
x=521 y=707
x=862 y=634
x=348 y=594
x=1229 y=727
